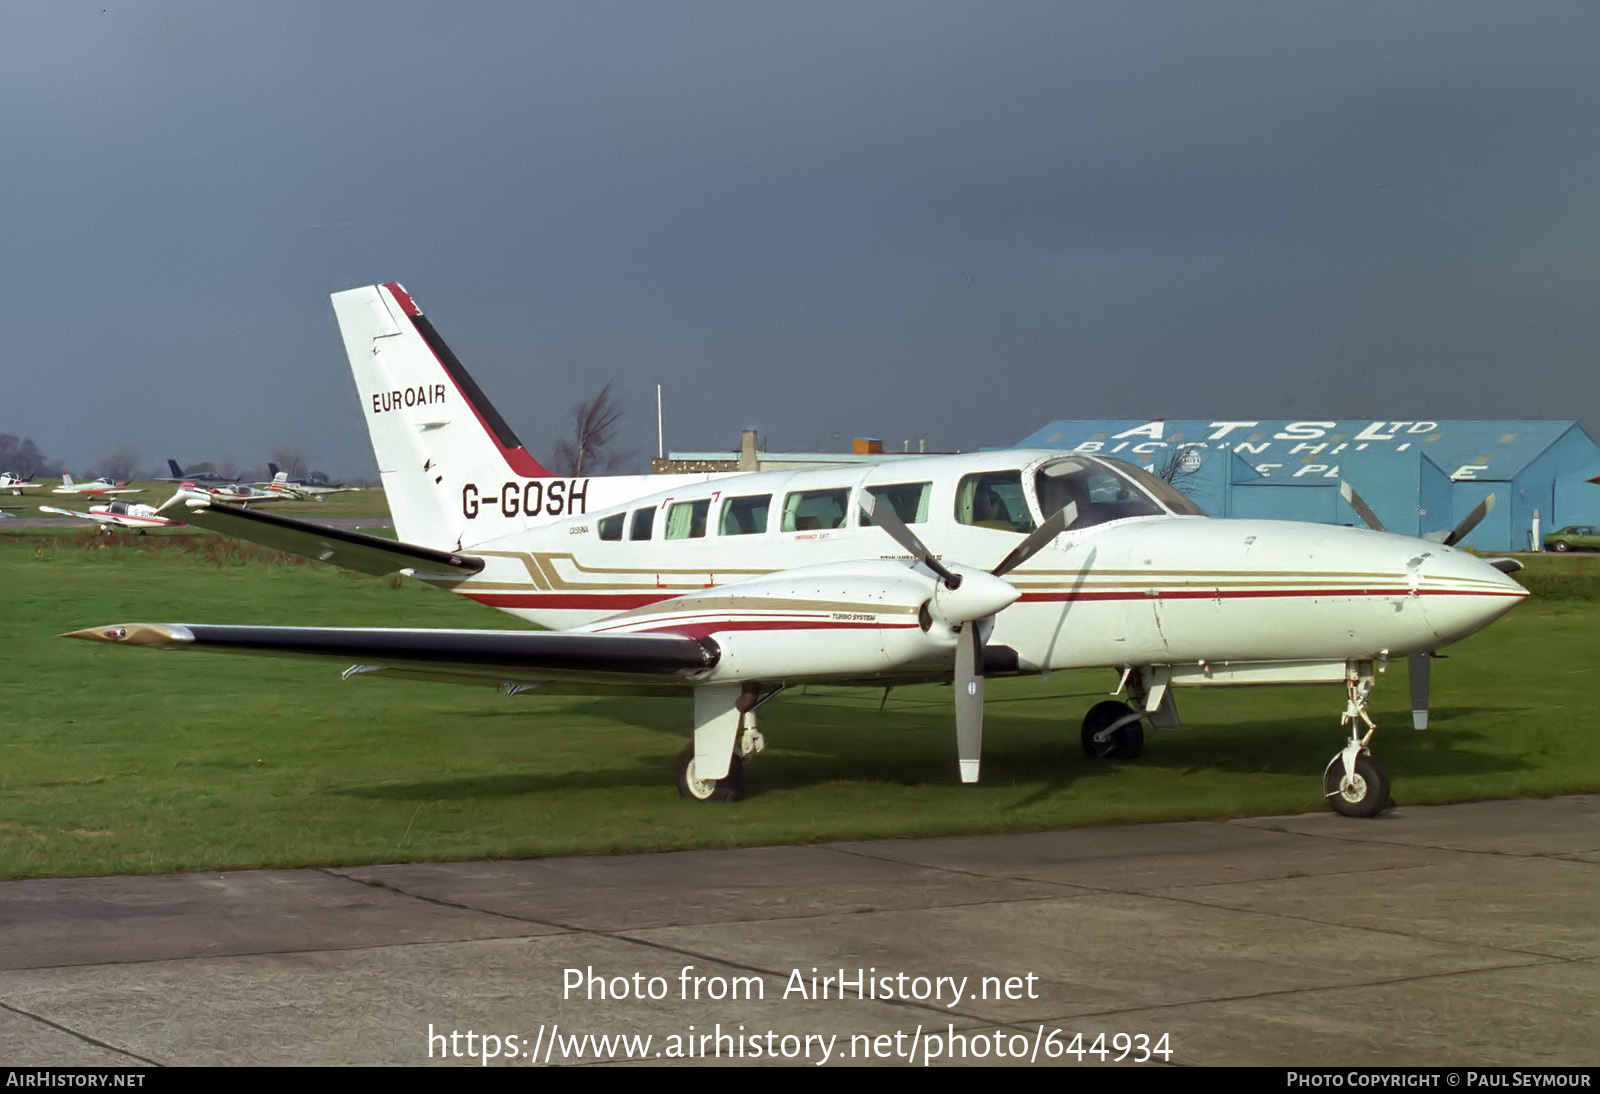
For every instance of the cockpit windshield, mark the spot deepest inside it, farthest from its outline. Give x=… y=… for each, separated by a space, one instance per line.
x=1105 y=490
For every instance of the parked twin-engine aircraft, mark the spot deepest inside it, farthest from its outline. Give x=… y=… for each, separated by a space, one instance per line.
x=101 y=486
x=121 y=513
x=949 y=568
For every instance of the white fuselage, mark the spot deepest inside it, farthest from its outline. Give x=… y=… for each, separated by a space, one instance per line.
x=1159 y=589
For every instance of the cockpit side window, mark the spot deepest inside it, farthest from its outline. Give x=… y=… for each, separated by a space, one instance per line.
x=994 y=499
x=1162 y=490
x=1101 y=491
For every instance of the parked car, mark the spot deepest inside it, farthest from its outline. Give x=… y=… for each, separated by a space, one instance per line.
x=1574 y=537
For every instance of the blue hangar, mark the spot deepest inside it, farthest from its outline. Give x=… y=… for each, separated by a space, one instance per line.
x=1418 y=477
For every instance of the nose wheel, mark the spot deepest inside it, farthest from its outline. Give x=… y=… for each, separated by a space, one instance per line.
x=1354 y=783
x=1362 y=792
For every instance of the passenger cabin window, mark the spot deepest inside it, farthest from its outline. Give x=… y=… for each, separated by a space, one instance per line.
x=745 y=516
x=811 y=510
x=909 y=500
x=611 y=527
x=687 y=519
x=643 y=521
x=993 y=499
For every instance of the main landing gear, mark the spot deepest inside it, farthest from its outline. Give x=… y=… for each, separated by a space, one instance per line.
x=726 y=789
x=1113 y=731
x=1354 y=783
x=711 y=767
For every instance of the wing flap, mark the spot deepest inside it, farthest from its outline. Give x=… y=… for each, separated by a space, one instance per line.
x=352 y=550
x=494 y=657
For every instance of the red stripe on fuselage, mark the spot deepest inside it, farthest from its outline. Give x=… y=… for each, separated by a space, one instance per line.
x=621 y=601
x=1246 y=594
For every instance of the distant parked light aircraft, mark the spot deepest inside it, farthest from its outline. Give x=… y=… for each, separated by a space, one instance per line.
x=307 y=489
x=99 y=487
x=740 y=586
x=121 y=513
x=237 y=494
x=17 y=484
x=180 y=475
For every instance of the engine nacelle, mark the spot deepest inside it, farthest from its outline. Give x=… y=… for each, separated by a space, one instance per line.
x=846 y=620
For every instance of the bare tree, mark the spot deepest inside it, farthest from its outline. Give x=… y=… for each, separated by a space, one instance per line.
x=594 y=427
x=1178 y=464
x=289 y=458
x=21 y=456
x=119 y=465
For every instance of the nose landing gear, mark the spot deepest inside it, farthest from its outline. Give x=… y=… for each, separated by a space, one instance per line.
x=1354 y=783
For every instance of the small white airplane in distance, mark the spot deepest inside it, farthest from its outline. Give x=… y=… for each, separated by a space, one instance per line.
x=736 y=587
x=236 y=494
x=100 y=487
x=121 y=513
x=17 y=484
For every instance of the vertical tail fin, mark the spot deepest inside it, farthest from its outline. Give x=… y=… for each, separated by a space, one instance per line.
x=177 y=472
x=279 y=478
x=440 y=444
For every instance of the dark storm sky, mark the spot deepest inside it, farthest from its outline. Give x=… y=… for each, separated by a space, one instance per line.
x=951 y=221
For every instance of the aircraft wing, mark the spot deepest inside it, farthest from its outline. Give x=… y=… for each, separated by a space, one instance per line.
x=504 y=658
x=99 y=518
x=352 y=550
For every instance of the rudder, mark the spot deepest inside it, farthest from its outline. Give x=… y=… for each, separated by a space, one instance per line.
x=436 y=437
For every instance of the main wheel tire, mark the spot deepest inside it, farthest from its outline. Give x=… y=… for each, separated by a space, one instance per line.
x=1364 y=794
x=726 y=789
x=1125 y=744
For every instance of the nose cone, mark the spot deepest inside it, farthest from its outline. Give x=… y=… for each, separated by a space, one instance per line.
x=1461 y=593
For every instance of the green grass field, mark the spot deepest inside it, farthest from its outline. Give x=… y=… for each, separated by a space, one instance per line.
x=133 y=761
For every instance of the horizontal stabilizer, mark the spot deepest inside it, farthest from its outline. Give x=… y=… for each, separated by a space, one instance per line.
x=501 y=657
x=352 y=550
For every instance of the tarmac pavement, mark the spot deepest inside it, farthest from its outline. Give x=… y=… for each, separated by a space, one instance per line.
x=1453 y=935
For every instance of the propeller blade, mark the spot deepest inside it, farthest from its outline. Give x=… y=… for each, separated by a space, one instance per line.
x=1464 y=529
x=882 y=514
x=1420 y=664
x=1037 y=539
x=1354 y=501
x=968 y=685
